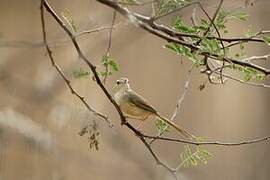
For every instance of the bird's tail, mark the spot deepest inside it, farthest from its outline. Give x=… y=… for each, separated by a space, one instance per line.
x=179 y=129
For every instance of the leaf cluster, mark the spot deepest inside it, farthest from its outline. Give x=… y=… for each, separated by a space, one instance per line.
x=190 y=158
x=164 y=6
x=66 y=14
x=80 y=73
x=110 y=64
x=161 y=126
x=248 y=72
x=210 y=45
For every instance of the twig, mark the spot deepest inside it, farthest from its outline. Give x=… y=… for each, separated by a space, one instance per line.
x=136 y=4
x=193 y=17
x=178 y=105
x=213 y=143
x=93 y=31
x=109 y=46
x=242 y=81
x=253 y=58
x=66 y=80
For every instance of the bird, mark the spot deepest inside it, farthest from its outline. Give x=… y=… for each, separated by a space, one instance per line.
x=135 y=106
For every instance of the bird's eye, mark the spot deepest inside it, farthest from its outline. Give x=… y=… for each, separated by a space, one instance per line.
x=118 y=82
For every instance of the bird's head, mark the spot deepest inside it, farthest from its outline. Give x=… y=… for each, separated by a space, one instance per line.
x=121 y=84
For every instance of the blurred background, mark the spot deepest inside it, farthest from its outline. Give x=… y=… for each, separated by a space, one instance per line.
x=40 y=118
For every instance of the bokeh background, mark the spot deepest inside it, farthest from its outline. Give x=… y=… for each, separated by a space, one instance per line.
x=40 y=119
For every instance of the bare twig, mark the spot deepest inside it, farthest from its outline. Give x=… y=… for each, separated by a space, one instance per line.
x=193 y=17
x=178 y=105
x=214 y=143
x=93 y=31
x=109 y=46
x=136 y=3
x=253 y=58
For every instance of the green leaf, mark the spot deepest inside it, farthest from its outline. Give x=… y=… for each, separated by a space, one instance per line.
x=161 y=126
x=211 y=45
x=164 y=6
x=242 y=46
x=240 y=15
x=113 y=65
x=250 y=32
x=248 y=72
x=190 y=158
x=110 y=64
x=221 y=19
x=178 y=25
x=260 y=77
x=266 y=39
x=80 y=73
x=69 y=20
x=202 y=26
x=184 y=51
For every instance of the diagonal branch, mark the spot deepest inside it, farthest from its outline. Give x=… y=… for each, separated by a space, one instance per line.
x=67 y=81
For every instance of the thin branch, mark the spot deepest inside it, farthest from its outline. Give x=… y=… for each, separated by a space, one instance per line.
x=242 y=81
x=264 y=32
x=242 y=63
x=213 y=143
x=253 y=58
x=136 y=3
x=109 y=46
x=158 y=161
x=178 y=105
x=193 y=17
x=212 y=23
x=66 y=80
x=93 y=31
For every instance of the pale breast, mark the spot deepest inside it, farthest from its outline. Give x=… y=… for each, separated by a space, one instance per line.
x=129 y=109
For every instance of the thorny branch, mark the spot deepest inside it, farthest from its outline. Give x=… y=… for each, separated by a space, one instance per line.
x=163 y=32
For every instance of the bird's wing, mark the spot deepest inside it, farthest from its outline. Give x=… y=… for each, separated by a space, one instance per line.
x=139 y=101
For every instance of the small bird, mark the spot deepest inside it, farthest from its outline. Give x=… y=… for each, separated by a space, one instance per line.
x=134 y=106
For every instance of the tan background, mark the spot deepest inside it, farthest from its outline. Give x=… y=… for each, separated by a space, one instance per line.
x=40 y=119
